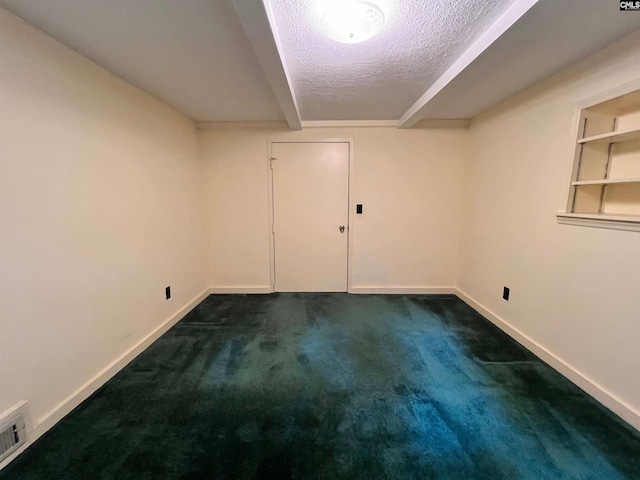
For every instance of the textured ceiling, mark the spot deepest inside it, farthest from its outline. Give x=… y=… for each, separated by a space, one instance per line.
x=551 y=36
x=191 y=54
x=382 y=77
x=196 y=56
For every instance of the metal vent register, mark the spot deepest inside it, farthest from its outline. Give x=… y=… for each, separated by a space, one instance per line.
x=12 y=435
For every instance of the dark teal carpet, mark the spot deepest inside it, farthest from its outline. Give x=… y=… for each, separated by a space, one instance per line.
x=323 y=386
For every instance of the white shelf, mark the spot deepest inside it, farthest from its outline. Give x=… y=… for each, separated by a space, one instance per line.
x=618 y=196
x=629 y=223
x=613 y=137
x=606 y=181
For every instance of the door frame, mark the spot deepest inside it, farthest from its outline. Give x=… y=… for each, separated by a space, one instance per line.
x=351 y=206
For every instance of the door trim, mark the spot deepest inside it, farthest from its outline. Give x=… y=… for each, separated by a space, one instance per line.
x=351 y=201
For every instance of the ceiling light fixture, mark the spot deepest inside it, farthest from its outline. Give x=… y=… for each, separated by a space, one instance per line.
x=352 y=21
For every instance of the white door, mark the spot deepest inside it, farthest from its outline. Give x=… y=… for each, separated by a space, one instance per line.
x=310 y=213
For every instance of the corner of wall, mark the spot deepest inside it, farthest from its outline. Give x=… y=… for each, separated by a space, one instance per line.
x=57 y=413
x=625 y=411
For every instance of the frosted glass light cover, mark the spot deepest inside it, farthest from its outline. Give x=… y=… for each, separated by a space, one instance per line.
x=352 y=21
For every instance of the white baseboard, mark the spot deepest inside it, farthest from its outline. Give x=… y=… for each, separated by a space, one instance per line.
x=625 y=411
x=404 y=290
x=85 y=391
x=356 y=290
x=242 y=289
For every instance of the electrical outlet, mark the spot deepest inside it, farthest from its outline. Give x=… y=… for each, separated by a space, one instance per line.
x=505 y=293
x=167 y=292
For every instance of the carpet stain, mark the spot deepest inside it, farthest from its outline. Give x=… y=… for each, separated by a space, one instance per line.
x=328 y=386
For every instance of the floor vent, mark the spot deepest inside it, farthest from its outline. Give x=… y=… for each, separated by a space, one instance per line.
x=12 y=435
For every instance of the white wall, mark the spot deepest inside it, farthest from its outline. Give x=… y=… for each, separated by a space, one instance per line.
x=100 y=209
x=409 y=182
x=574 y=290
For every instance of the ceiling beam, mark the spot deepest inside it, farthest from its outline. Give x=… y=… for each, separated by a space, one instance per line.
x=509 y=18
x=259 y=24
x=349 y=123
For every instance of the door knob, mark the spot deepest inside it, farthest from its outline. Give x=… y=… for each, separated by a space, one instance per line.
x=341 y=228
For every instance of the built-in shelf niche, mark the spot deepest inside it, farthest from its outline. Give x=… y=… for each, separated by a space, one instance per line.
x=605 y=183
